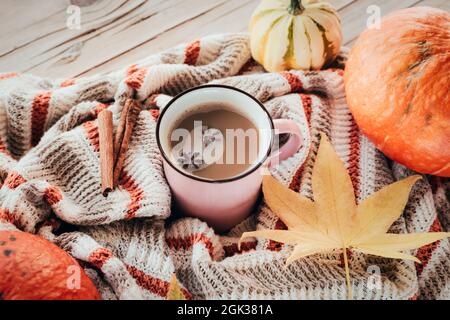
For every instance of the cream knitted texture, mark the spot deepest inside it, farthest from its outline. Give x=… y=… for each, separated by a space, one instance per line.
x=51 y=183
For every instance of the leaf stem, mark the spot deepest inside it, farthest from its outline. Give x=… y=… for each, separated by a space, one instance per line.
x=347 y=276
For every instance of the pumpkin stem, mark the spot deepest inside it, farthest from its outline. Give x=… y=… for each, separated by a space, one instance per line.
x=296 y=7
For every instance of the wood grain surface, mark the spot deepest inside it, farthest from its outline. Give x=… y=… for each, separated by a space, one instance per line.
x=34 y=36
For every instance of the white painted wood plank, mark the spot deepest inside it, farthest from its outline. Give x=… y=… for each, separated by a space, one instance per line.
x=119 y=32
x=117 y=40
x=232 y=16
x=36 y=43
x=353 y=28
x=354 y=17
x=229 y=16
x=45 y=46
x=441 y=4
x=17 y=16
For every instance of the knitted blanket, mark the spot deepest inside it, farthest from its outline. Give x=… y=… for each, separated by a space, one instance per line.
x=130 y=242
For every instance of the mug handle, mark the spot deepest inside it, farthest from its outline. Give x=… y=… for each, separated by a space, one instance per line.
x=291 y=146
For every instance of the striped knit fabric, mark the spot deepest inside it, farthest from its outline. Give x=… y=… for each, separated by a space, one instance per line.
x=49 y=170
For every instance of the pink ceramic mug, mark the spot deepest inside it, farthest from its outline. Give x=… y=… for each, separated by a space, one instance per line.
x=223 y=203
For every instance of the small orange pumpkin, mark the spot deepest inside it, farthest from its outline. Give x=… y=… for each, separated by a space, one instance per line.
x=33 y=268
x=397 y=83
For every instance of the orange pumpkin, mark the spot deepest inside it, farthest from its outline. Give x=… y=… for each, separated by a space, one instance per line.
x=397 y=82
x=33 y=268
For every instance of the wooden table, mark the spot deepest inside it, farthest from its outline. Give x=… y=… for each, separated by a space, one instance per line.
x=34 y=36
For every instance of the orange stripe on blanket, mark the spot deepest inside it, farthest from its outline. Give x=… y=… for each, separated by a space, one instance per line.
x=67 y=83
x=295 y=182
x=152 y=284
x=6 y=215
x=274 y=245
x=353 y=166
x=296 y=179
x=425 y=253
x=294 y=82
x=307 y=108
x=135 y=76
x=91 y=130
x=188 y=242
x=233 y=249
x=99 y=108
x=4 y=76
x=192 y=53
x=14 y=179
x=336 y=70
x=4 y=148
x=52 y=195
x=136 y=194
x=39 y=110
x=414 y=297
x=99 y=257
x=154 y=113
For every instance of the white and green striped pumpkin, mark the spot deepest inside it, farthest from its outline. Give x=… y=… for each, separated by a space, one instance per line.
x=295 y=34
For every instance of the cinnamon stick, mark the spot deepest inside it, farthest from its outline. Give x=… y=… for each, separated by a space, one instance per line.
x=105 y=131
x=128 y=118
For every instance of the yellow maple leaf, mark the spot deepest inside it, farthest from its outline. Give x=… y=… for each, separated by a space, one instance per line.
x=174 y=292
x=333 y=221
